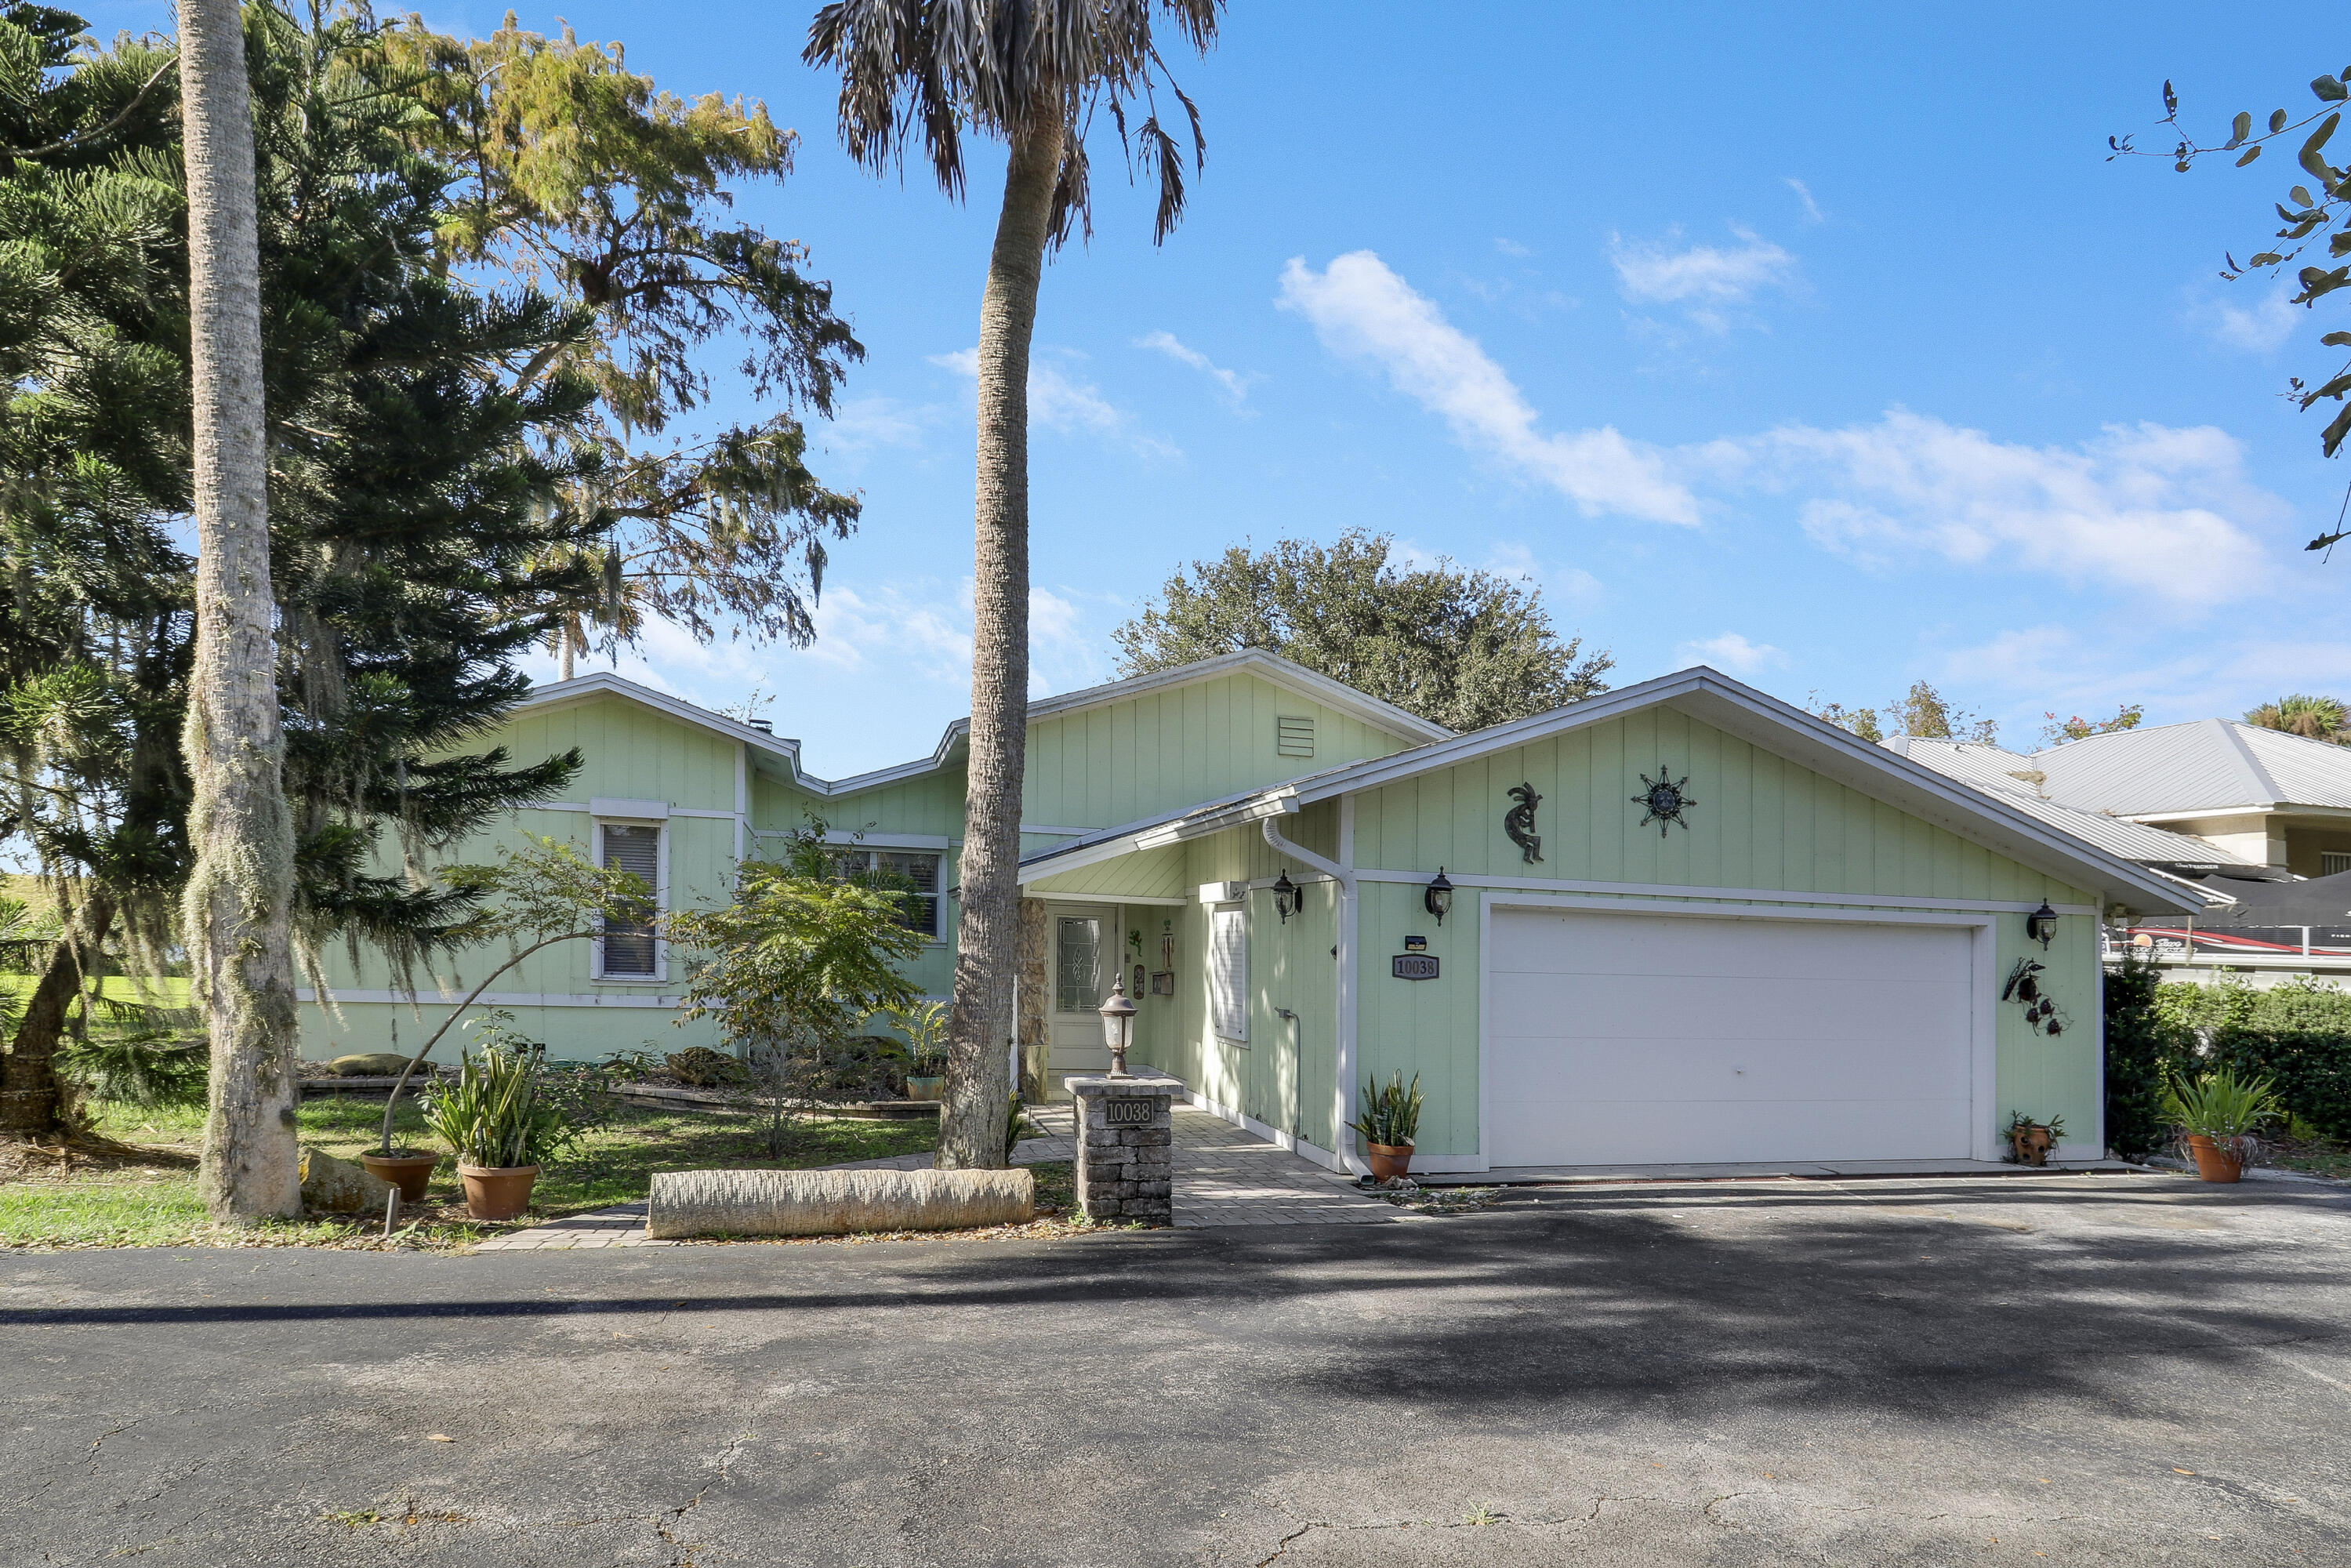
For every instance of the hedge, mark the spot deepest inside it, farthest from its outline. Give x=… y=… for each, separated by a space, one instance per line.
x=2297 y=1034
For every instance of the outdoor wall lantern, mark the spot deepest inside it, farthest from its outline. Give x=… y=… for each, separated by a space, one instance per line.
x=1286 y=896
x=1438 y=899
x=2040 y=926
x=1118 y=1028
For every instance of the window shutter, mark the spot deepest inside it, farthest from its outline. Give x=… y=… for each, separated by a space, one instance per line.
x=628 y=944
x=1294 y=737
x=1229 y=971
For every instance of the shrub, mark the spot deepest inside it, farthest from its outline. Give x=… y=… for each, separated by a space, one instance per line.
x=2143 y=1048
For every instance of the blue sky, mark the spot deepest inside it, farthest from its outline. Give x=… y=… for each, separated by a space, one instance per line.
x=1821 y=344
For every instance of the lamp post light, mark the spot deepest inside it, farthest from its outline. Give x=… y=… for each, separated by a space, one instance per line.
x=1438 y=899
x=1118 y=1027
x=2040 y=926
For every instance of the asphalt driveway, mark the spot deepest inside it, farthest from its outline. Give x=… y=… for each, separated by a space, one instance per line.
x=2114 y=1370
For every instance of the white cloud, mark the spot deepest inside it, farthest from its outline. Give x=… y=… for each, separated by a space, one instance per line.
x=861 y=424
x=1804 y=195
x=1363 y=311
x=2260 y=327
x=1236 y=384
x=1715 y=274
x=922 y=630
x=1072 y=407
x=2147 y=507
x=1512 y=247
x=2144 y=506
x=1732 y=653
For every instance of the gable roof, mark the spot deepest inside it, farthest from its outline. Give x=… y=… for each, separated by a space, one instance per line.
x=2210 y=766
x=2016 y=779
x=784 y=755
x=2050 y=842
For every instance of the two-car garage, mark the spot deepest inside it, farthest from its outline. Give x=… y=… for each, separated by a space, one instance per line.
x=1649 y=1038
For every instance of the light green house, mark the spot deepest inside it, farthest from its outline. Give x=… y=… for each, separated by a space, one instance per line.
x=1801 y=949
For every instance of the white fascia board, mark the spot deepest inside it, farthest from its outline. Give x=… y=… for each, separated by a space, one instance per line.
x=1740 y=710
x=605 y=684
x=1154 y=833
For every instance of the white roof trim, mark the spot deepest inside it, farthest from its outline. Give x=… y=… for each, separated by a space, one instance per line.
x=1736 y=708
x=1294 y=678
x=605 y=684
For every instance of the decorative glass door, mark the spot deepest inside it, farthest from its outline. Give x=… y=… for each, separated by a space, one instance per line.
x=1082 y=960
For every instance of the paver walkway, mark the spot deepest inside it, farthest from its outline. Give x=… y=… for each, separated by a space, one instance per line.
x=1223 y=1176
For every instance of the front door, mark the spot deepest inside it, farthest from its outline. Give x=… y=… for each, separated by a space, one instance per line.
x=1084 y=951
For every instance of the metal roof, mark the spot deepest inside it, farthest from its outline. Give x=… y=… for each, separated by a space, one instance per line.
x=2209 y=765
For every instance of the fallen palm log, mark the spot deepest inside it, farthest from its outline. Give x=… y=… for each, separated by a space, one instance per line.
x=835 y=1203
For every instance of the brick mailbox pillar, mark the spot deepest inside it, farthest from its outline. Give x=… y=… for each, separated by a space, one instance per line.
x=1127 y=1135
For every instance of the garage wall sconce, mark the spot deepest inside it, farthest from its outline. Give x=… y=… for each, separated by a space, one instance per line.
x=2040 y=926
x=1287 y=899
x=1438 y=899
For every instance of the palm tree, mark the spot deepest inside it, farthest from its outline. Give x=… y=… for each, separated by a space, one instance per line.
x=2315 y=718
x=240 y=890
x=1031 y=73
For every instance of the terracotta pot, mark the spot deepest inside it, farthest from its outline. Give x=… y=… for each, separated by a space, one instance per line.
x=1389 y=1160
x=926 y=1088
x=408 y=1170
x=496 y=1192
x=2214 y=1163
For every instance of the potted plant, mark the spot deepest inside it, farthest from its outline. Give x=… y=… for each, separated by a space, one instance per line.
x=2029 y=1141
x=2217 y=1116
x=498 y=1124
x=927 y=1030
x=1389 y=1122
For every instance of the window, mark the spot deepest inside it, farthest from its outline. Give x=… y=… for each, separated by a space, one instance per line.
x=627 y=950
x=913 y=874
x=1228 y=970
x=1077 y=963
x=1294 y=737
x=2330 y=863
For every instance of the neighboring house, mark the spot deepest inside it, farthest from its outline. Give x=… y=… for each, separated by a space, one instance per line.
x=1805 y=962
x=2256 y=797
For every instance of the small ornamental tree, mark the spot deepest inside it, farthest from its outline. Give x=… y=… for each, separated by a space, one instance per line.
x=799 y=960
x=531 y=899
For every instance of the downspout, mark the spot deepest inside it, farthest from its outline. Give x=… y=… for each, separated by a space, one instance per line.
x=1344 y=874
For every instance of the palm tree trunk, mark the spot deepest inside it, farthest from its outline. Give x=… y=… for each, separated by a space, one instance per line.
x=28 y=1084
x=241 y=888
x=971 y=1130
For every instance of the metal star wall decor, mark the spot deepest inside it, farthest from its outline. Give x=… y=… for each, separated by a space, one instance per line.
x=1663 y=799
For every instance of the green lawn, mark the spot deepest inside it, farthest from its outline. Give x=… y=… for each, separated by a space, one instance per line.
x=133 y=1184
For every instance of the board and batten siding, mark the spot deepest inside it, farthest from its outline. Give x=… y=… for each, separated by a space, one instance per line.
x=1282 y=1076
x=628 y=752
x=1166 y=751
x=1758 y=822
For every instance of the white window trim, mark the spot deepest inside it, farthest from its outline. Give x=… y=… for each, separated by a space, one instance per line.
x=1215 y=912
x=596 y=825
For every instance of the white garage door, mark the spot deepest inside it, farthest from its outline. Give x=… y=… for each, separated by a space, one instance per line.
x=1654 y=1040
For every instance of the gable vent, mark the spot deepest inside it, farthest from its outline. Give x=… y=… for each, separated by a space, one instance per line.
x=1294 y=737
